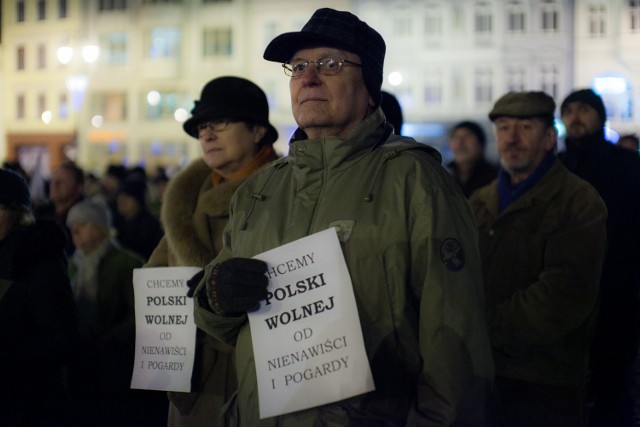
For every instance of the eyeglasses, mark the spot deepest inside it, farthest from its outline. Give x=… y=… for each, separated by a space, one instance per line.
x=215 y=125
x=327 y=65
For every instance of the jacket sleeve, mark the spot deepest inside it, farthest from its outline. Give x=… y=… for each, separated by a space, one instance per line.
x=457 y=369
x=565 y=292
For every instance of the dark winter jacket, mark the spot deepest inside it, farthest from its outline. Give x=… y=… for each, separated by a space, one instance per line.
x=38 y=332
x=541 y=262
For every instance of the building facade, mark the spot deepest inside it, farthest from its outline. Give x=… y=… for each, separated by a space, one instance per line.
x=110 y=81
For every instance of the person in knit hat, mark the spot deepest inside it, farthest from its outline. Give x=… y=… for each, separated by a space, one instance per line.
x=230 y=122
x=407 y=235
x=615 y=173
x=38 y=328
x=101 y=280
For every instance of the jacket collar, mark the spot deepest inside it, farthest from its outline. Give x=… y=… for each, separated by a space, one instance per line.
x=335 y=153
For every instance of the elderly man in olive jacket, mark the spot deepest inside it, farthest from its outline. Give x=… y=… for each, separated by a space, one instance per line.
x=542 y=243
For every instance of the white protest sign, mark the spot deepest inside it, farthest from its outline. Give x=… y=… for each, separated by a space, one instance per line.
x=307 y=339
x=165 y=329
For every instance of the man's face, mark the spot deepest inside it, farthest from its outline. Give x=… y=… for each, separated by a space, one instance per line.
x=580 y=119
x=522 y=145
x=465 y=146
x=329 y=105
x=64 y=187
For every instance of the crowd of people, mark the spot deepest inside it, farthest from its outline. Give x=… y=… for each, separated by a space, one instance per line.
x=488 y=294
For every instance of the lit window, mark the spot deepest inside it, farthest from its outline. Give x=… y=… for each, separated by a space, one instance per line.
x=42 y=104
x=63 y=106
x=483 y=19
x=160 y=105
x=112 y=106
x=163 y=42
x=433 y=89
x=42 y=57
x=114 y=48
x=104 y=5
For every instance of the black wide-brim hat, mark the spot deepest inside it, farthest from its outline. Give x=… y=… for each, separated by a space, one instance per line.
x=339 y=29
x=231 y=98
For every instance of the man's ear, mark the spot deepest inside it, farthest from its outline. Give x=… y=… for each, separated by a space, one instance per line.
x=259 y=132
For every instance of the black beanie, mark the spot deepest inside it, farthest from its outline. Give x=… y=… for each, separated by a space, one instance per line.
x=588 y=97
x=13 y=189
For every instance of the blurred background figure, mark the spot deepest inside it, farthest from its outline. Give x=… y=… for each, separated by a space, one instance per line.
x=65 y=190
x=630 y=142
x=469 y=167
x=159 y=183
x=101 y=280
x=231 y=122
x=392 y=111
x=110 y=184
x=37 y=318
x=137 y=229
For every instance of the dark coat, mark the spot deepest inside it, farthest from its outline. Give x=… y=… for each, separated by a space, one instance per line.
x=37 y=323
x=615 y=173
x=106 y=362
x=483 y=173
x=140 y=234
x=541 y=262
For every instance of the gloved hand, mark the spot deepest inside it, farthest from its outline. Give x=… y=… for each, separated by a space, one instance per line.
x=237 y=285
x=193 y=282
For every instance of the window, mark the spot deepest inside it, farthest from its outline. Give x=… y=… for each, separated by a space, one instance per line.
x=516 y=78
x=634 y=11
x=161 y=1
x=63 y=106
x=62 y=9
x=433 y=89
x=20 y=10
x=159 y=105
x=114 y=48
x=20 y=106
x=433 y=22
x=111 y=106
x=597 y=20
x=20 y=58
x=483 y=85
x=515 y=17
x=549 y=16
x=42 y=10
x=483 y=18
x=549 y=79
x=217 y=42
x=104 y=5
x=42 y=104
x=163 y=42
x=402 y=25
x=42 y=57
x=216 y=1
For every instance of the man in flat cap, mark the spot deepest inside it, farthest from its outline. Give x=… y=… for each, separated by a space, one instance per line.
x=542 y=242
x=615 y=173
x=407 y=235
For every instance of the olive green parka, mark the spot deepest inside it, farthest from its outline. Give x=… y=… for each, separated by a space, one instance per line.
x=410 y=243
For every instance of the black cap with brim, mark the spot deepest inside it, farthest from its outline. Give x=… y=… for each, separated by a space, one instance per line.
x=232 y=98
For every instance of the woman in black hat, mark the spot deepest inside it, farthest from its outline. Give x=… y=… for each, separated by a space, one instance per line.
x=231 y=122
x=38 y=333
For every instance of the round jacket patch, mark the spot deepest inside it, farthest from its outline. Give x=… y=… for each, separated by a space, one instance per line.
x=452 y=254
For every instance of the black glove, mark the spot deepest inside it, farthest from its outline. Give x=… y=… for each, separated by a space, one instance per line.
x=237 y=285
